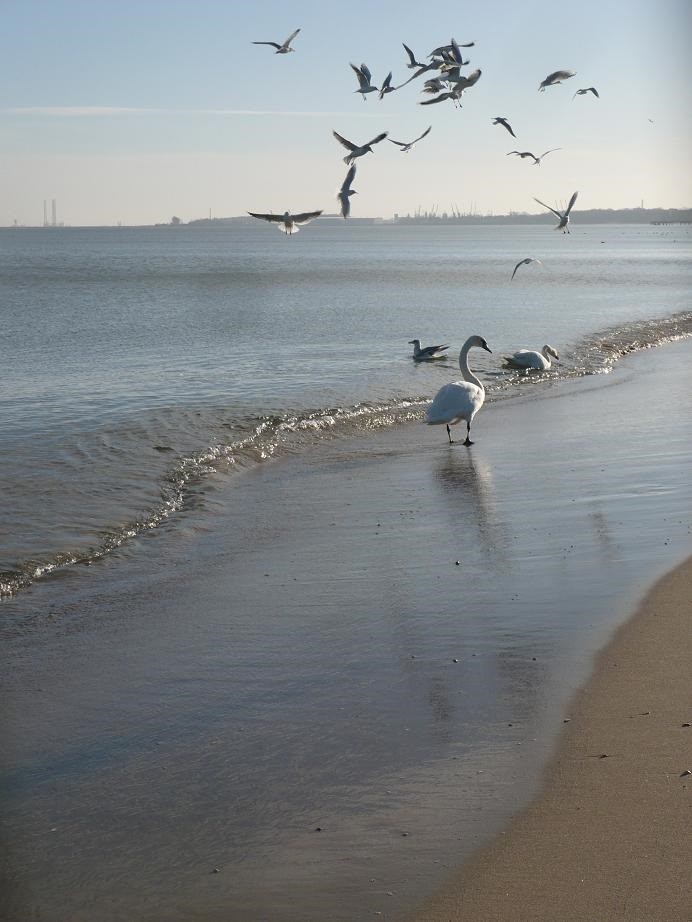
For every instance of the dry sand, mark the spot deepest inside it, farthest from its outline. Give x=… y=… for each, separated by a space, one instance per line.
x=609 y=836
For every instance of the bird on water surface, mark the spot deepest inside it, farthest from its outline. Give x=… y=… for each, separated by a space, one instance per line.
x=527 y=358
x=460 y=399
x=425 y=353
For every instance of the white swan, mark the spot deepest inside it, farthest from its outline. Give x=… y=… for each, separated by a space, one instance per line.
x=461 y=399
x=526 y=358
x=425 y=353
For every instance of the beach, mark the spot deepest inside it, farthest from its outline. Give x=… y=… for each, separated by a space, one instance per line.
x=608 y=836
x=347 y=680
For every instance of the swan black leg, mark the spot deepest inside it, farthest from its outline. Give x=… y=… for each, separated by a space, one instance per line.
x=449 y=434
x=468 y=433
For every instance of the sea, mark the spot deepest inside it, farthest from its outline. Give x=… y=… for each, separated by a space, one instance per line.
x=273 y=650
x=138 y=362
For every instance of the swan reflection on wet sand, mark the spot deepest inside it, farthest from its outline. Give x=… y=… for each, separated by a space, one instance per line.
x=472 y=502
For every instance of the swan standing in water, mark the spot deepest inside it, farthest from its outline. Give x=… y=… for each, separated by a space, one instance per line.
x=424 y=353
x=461 y=399
x=526 y=358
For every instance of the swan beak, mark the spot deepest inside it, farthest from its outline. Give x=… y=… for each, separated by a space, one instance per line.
x=488 y=349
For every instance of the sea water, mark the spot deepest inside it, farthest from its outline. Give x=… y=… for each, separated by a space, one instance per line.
x=139 y=361
x=300 y=613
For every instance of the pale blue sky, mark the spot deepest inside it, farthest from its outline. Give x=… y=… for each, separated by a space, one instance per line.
x=135 y=111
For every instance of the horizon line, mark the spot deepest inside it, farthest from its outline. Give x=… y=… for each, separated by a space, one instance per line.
x=104 y=111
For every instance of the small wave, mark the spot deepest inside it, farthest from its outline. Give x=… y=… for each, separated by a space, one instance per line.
x=271 y=436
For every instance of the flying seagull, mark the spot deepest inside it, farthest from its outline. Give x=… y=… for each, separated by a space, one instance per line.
x=435 y=85
x=589 y=89
x=281 y=49
x=557 y=76
x=465 y=82
x=413 y=64
x=426 y=353
x=563 y=216
x=387 y=86
x=345 y=191
x=288 y=223
x=451 y=47
x=364 y=80
x=406 y=147
x=421 y=70
x=525 y=262
x=454 y=95
x=536 y=160
x=357 y=151
x=456 y=91
x=452 y=58
x=501 y=120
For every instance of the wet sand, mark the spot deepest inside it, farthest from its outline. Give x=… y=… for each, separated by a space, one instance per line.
x=609 y=835
x=338 y=676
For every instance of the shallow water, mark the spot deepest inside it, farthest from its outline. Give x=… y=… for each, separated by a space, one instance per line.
x=138 y=362
x=312 y=704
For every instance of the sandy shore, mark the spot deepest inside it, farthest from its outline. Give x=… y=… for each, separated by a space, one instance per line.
x=609 y=837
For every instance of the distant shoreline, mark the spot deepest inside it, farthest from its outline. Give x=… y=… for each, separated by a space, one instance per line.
x=645 y=216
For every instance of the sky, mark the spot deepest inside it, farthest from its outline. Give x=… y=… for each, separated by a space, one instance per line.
x=138 y=110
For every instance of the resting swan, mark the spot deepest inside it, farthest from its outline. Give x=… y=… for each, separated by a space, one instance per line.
x=461 y=399
x=525 y=358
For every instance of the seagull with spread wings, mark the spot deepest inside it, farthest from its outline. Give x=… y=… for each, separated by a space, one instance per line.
x=287 y=223
x=285 y=47
x=407 y=145
x=387 y=86
x=563 y=216
x=536 y=160
x=557 y=76
x=413 y=64
x=452 y=47
x=358 y=151
x=502 y=120
x=588 y=89
x=525 y=262
x=346 y=191
x=365 y=84
x=453 y=94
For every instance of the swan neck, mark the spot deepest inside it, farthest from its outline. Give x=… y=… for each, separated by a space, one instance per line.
x=466 y=372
